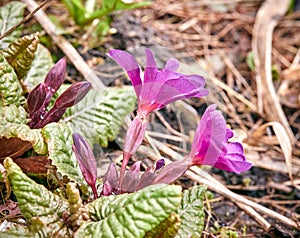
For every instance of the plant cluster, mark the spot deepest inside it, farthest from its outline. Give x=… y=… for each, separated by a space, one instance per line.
x=44 y=137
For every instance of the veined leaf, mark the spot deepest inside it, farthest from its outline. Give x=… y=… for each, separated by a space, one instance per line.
x=34 y=200
x=10 y=15
x=59 y=140
x=40 y=67
x=10 y=88
x=191 y=212
x=98 y=117
x=12 y=114
x=23 y=132
x=37 y=229
x=36 y=203
x=167 y=228
x=131 y=215
x=20 y=53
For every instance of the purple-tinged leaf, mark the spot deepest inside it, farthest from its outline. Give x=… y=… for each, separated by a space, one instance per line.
x=172 y=171
x=74 y=94
x=111 y=181
x=146 y=179
x=86 y=161
x=131 y=178
x=150 y=174
x=53 y=115
x=36 y=99
x=55 y=79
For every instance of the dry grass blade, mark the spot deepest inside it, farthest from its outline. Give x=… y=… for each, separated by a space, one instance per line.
x=265 y=22
x=197 y=175
x=283 y=140
x=266 y=161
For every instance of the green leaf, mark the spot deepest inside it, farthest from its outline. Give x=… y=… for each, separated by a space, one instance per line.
x=37 y=228
x=98 y=117
x=76 y=9
x=18 y=231
x=12 y=114
x=40 y=67
x=10 y=15
x=115 y=5
x=23 y=132
x=131 y=215
x=38 y=205
x=191 y=212
x=34 y=200
x=20 y=53
x=82 y=16
x=10 y=88
x=122 y=5
x=167 y=228
x=59 y=140
x=250 y=60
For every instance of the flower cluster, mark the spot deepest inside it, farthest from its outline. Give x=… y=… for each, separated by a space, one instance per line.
x=155 y=89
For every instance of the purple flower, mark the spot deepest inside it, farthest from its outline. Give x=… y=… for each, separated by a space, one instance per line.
x=211 y=147
x=157 y=88
x=154 y=90
x=86 y=161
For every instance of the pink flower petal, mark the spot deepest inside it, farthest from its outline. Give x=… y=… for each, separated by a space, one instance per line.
x=151 y=68
x=232 y=159
x=172 y=65
x=130 y=65
x=209 y=137
x=211 y=147
x=182 y=88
